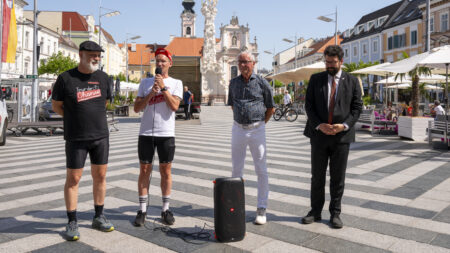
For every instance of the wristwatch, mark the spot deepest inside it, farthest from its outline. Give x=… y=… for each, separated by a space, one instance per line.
x=164 y=89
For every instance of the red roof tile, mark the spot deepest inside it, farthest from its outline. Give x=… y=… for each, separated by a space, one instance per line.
x=74 y=21
x=180 y=46
x=108 y=36
x=147 y=50
x=319 y=47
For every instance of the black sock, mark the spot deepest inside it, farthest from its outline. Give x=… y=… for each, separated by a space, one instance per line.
x=98 y=210
x=72 y=215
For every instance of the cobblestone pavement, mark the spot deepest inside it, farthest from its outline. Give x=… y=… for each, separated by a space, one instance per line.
x=397 y=195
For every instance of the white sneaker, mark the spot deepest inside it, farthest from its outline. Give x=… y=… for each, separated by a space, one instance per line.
x=260 y=216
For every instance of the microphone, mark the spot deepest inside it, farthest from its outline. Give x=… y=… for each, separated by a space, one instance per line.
x=158 y=71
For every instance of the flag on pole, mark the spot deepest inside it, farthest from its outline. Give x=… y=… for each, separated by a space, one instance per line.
x=9 y=33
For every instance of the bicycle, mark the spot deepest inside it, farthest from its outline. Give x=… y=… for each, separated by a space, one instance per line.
x=288 y=113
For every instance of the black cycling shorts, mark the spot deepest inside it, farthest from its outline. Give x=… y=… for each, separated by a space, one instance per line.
x=165 y=147
x=76 y=152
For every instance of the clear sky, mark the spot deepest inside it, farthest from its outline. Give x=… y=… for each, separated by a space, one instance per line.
x=269 y=20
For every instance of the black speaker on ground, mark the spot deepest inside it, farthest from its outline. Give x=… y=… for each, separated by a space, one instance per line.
x=229 y=209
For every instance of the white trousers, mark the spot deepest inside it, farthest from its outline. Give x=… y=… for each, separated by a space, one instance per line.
x=256 y=140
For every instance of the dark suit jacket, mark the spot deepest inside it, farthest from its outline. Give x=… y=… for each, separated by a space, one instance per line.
x=348 y=106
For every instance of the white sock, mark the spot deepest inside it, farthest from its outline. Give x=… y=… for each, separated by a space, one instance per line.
x=165 y=200
x=143 y=203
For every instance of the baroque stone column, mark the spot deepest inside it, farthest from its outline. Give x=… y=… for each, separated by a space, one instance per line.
x=214 y=89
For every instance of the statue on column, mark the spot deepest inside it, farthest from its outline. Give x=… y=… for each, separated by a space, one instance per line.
x=213 y=81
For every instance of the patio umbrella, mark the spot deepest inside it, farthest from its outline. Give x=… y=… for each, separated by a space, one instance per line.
x=305 y=72
x=432 y=87
x=405 y=65
x=375 y=70
x=439 y=58
x=299 y=74
x=392 y=80
x=400 y=86
x=433 y=78
x=285 y=77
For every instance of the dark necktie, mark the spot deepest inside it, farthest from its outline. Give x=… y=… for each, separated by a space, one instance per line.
x=332 y=100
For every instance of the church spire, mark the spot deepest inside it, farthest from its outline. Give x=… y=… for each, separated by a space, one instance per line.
x=188 y=19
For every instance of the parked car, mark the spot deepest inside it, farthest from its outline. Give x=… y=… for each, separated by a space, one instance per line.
x=3 y=118
x=195 y=110
x=46 y=112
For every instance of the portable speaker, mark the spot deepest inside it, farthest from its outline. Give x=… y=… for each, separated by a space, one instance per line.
x=229 y=209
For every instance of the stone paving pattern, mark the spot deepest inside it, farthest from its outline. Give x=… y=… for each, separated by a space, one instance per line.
x=397 y=195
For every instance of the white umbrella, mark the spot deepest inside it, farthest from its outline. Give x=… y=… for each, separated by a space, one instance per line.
x=392 y=80
x=305 y=72
x=373 y=70
x=433 y=78
x=405 y=65
x=438 y=58
x=400 y=86
x=299 y=74
x=432 y=87
x=285 y=77
x=128 y=86
x=407 y=79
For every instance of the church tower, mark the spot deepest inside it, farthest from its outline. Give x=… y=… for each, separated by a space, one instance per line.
x=188 y=19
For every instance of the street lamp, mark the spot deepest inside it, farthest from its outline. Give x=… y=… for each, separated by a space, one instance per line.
x=111 y=13
x=325 y=19
x=146 y=50
x=273 y=67
x=295 y=43
x=126 y=52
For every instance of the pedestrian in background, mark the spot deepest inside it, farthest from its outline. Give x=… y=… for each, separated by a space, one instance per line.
x=188 y=98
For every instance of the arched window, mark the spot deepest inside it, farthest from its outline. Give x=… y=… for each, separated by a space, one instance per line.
x=188 y=30
x=234 y=71
x=234 y=41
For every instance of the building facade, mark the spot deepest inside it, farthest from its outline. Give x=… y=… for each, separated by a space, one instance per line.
x=285 y=60
x=363 y=42
x=234 y=39
x=439 y=22
x=404 y=34
x=141 y=60
x=79 y=28
x=47 y=40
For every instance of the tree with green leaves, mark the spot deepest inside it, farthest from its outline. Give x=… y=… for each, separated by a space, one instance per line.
x=415 y=92
x=278 y=84
x=56 y=64
x=350 y=67
x=121 y=77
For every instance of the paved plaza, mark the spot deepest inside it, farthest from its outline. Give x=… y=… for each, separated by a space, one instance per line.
x=397 y=195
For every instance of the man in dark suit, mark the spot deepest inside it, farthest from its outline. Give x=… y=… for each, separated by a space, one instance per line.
x=333 y=104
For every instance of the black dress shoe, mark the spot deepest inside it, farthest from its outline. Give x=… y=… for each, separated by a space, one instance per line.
x=310 y=218
x=140 y=219
x=336 y=221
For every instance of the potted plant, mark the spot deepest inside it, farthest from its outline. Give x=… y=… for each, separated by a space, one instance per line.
x=414 y=127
